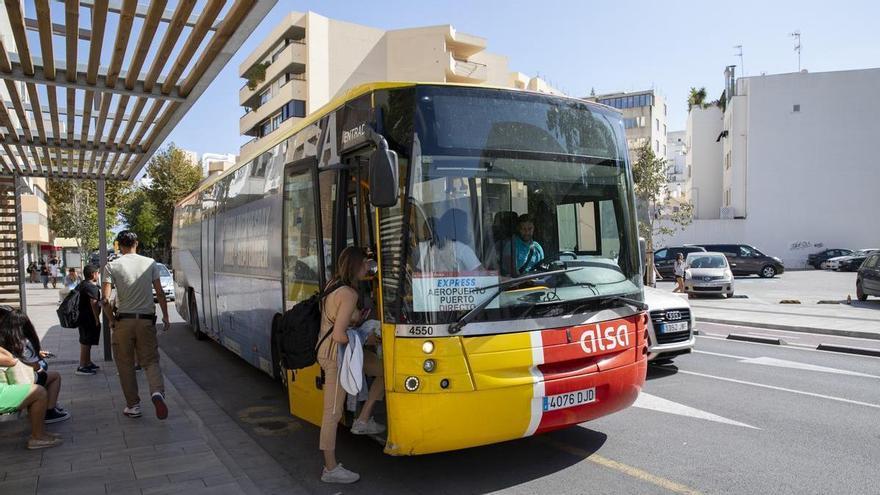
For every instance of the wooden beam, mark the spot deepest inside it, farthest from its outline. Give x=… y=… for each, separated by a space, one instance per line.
x=99 y=22
x=19 y=107
x=76 y=146
x=16 y=21
x=6 y=121
x=71 y=123
x=71 y=18
x=135 y=114
x=117 y=119
x=162 y=122
x=44 y=18
x=212 y=10
x=56 y=29
x=123 y=32
x=172 y=34
x=52 y=96
x=141 y=12
x=102 y=119
x=151 y=116
x=86 y=123
x=145 y=39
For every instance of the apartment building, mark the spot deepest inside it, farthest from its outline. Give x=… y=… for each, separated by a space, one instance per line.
x=217 y=163
x=789 y=165
x=309 y=59
x=644 y=117
x=677 y=171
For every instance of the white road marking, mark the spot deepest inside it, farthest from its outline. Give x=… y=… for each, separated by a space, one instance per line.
x=800 y=347
x=782 y=363
x=654 y=403
x=782 y=389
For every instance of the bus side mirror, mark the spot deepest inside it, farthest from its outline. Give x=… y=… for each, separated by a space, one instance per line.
x=383 y=176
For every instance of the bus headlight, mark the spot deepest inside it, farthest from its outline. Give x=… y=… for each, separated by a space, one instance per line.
x=411 y=383
x=429 y=365
x=428 y=347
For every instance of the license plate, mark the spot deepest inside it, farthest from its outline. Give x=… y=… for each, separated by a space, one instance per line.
x=679 y=326
x=570 y=399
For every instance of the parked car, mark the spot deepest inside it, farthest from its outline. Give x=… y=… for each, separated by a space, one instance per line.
x=671 y=326
x=868 y=278
x=708 y=273
x=664 y=259
x=834 y=263
x=167 y=281
x=852 y=263
x=816 y=259
x=748 y=260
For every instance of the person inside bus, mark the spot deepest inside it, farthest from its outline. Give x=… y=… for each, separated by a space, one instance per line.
x=449 y=250
x=339 y=312
x=522 y=253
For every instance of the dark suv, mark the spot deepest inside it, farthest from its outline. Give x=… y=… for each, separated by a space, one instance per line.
x=815 y=260
x=868 y=278
x=664 y=259
x=748 y=260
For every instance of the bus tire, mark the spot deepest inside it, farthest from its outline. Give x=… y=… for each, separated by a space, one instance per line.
x=279 y=372
x=194 y=318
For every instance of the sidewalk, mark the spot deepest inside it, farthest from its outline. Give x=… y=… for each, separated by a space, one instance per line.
x=105 y=452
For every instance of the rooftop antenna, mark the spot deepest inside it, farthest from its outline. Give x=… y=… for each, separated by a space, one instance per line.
x=797 y=45
x=742 y=67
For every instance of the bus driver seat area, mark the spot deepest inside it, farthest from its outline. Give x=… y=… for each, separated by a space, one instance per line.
x=503 y=227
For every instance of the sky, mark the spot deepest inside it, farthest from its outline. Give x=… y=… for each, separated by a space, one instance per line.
x=669 y=46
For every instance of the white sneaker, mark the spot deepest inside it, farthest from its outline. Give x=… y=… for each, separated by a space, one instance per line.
x=133 y=411
x=369 y=427
x=339 y=475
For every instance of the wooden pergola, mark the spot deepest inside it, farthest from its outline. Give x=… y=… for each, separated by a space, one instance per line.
x=130 y=99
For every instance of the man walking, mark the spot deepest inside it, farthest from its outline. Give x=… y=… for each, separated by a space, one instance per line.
x=134 y=325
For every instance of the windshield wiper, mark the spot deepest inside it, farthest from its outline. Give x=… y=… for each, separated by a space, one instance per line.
x=634 y=303
x=479 y=308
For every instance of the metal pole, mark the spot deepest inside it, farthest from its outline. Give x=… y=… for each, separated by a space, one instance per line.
x=102 y=256
x=18 y=185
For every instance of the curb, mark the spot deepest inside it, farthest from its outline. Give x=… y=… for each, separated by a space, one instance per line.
x=756 y=339
x=849 y=350
x=794 y=328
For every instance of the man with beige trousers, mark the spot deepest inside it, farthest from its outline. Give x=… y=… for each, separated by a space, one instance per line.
x=134 y=323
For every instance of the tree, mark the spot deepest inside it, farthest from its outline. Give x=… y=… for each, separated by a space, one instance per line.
x=697 y=98
x=139 y=214
x=651 y=185
x=173 y=176
x=73 y=210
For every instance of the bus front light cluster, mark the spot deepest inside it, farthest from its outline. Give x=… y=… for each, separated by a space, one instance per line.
x=411 y=383
x=428 y=347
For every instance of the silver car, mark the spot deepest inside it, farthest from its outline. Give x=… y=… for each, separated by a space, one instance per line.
x=708 y=273
x=670 y=326
x=167 y=282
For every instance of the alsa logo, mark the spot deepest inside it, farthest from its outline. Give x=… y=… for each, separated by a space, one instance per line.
x=594 y=339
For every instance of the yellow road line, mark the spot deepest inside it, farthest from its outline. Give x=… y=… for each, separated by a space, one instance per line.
x=620 y=467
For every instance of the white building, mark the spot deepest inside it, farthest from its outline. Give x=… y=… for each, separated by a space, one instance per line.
x=677 y=170
x=644 y=117
x=217 y=163
x=794 y=167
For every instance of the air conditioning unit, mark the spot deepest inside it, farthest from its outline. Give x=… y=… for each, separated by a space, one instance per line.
x=727 y=212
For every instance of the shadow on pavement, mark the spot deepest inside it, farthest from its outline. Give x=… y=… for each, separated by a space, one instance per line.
x=661 y=371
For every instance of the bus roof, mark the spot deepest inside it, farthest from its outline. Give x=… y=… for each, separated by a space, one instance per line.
x=351 y=94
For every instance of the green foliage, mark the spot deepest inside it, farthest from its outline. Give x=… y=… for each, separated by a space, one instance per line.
x=73 y=210
x=256 y=74
x=149 y=209
x=651 y=186
x=697 y=98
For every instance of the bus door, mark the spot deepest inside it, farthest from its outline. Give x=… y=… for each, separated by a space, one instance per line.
x=209 y=298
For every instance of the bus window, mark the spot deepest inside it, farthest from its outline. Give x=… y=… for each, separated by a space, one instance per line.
x=302 y=249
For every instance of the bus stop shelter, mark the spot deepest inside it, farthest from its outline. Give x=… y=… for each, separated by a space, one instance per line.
x=91 y=89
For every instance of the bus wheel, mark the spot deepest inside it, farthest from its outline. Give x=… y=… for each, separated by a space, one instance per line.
x=279 y=372
x=194 y=319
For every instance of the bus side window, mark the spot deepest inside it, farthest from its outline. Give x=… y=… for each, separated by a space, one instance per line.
x=302 y=248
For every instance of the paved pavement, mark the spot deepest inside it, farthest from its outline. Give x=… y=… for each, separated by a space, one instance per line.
x=762 y=307
x=197 y=450
x=734 y=417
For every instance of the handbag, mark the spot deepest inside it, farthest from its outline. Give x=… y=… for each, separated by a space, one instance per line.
x=21 y=373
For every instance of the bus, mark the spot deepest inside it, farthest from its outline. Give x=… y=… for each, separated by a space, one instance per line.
x=445 y=184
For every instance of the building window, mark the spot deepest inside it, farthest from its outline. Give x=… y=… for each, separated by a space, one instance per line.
x=664 y=150
x=664 y=129
x=727 y=161
x=656 y=146
x=293 y=108
x=796 y=108
x=657 y=124
x=664 y=109
x=265 y=96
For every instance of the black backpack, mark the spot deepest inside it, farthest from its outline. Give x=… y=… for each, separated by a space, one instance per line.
x=68 y=311
x=298 y=338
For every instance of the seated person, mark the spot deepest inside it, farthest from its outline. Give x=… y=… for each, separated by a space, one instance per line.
x=524 y=254
x=20 y=396
x=448 y=251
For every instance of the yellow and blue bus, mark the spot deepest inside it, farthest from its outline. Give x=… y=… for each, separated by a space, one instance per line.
x=479 y=346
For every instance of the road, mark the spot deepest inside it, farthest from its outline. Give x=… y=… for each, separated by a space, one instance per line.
x=733 y=417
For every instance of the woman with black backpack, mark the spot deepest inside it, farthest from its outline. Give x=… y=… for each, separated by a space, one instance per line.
x=339 y=312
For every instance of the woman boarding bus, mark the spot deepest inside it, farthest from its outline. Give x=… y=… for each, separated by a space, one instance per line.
x=472 y=353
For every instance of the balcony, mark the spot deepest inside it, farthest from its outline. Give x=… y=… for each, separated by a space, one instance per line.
x=294 y=89
x=465 y=71
x=289 y=60
x=248 y=149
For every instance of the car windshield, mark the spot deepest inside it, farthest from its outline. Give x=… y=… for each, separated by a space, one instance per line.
x=716 y=261
x=163 y=271
x=504 y=187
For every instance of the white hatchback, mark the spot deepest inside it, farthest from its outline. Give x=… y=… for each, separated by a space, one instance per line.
x=670 y=326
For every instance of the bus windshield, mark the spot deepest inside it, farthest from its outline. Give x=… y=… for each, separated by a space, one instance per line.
x=504 y=184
